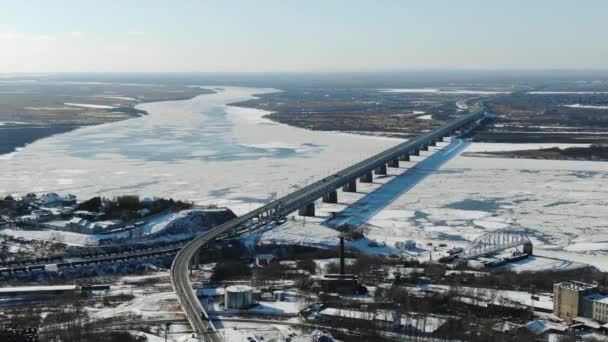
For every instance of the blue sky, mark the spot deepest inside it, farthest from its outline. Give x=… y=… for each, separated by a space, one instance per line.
x=274 y=35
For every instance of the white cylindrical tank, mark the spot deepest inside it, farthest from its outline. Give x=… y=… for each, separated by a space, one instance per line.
x=238 y=297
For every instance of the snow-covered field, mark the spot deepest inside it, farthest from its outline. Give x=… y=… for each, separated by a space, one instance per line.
x=199 y=150
x=87 y=105
x=444 y=91
x=578 y=105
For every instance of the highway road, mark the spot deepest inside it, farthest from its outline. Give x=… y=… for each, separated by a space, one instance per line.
x=198 y=318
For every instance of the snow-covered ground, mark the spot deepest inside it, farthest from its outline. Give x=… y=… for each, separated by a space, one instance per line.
x=444 y=91
x=578 y=105
x=87 y=105
x=199 y=150
x=562 y=204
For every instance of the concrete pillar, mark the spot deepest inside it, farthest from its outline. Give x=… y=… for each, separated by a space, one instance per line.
x=331 y=197
x=350 y=186
x=367 y=178
x=405 y=157
x=393 y=163
x=424 y=147
x=432 y=143
x=415 y=152
x=307 y=210
x=440 y=139
x=380 y=170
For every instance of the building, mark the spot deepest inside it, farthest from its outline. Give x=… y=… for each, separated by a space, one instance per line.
x=341 y=283
x=68 y=199
x=598 y=305
x=572 y=299
x=50 y=198
x=262 y=260
x=238 y=297
x=406 y=245
x=38 y=290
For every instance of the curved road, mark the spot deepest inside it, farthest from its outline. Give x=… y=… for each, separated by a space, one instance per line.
x=197 y=317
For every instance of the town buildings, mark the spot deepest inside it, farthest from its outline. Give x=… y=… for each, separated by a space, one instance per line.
x=573 y=299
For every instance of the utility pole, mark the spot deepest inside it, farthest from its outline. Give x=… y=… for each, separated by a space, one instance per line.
x=167 y=325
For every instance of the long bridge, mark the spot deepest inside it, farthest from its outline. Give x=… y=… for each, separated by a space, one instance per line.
x=303 y=200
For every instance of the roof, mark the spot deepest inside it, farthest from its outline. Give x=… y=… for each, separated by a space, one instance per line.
x=575 y=285
x=38 y=288
x=540 y=327
x=597 y=297
x=239 y=288
x=589 y=322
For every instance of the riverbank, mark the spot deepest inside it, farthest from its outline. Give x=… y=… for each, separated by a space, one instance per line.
x=592 y=153
x=33 y=111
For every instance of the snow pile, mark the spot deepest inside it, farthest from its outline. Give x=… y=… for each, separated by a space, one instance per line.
x=190 y=221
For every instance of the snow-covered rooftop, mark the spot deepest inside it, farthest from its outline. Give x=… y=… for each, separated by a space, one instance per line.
x=576 y=285
x=38 y=288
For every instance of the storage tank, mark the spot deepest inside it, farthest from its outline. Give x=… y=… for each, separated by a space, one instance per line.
x=238 y=297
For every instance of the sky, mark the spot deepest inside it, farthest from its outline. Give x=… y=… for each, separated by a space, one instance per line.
x=290 y=35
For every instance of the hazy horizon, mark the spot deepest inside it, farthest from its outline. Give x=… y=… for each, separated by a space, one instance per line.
x=289 y=36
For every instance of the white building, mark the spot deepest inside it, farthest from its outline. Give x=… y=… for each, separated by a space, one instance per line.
x=406 y=245
x=50 y=198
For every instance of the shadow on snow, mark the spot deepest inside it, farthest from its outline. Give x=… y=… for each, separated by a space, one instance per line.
x=366 y=207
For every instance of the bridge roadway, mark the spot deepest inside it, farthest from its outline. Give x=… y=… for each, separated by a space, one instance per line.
x=198 y=318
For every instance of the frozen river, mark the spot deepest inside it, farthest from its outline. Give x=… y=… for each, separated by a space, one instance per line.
x=201 y=150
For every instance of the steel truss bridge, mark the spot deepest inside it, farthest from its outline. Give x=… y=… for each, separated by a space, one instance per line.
x=494 y=242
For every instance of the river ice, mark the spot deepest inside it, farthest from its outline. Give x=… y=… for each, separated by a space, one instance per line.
x=200 y=150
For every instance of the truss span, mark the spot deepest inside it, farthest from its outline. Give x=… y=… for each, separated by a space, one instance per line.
x=493 y=242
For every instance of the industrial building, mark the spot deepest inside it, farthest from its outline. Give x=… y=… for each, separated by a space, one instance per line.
x=574 y=299
x=340 y=283
x=238 y=297
x=38 y=290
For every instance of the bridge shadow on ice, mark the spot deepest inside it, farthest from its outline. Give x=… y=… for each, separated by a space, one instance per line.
x=368 y=206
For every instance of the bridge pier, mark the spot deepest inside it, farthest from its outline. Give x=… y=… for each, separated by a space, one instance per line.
x=415 y=152
x=440 y=139
x=394 y=163
x=350 y=186
x=380 y=170
x=367 y=178
x=331 y=197
x=404 y=157
x=307 y=210
x=424 y=147
x=433 y=143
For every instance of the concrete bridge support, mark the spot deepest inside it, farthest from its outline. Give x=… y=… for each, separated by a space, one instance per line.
x=367 y=178
x=415 y=152
x=380 y=170
x=424 y=147
x=433 y=143
x=307 y=210
x=405 y=157
x=331 y=197
x=440 y=139
x=394 y=163
x=350 y=186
